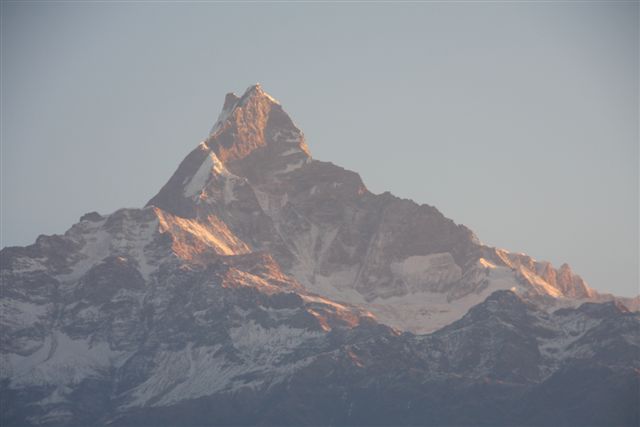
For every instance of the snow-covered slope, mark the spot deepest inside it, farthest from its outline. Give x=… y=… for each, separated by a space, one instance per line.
x=409 y=265
x=151 y=309
x=256 y=288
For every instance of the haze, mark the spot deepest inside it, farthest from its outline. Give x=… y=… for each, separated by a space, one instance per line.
x=519 y=120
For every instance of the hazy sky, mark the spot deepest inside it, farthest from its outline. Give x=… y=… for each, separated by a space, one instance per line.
x=519 y=120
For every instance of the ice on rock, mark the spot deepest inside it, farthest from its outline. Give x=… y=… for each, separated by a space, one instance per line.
x=199 y=180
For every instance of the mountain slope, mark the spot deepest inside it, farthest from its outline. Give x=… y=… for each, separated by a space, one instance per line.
x=118 y=311
x=255 y=287
x=404 y=262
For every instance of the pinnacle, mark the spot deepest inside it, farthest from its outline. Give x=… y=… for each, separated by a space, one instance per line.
x=229 y=101
x=256 y=90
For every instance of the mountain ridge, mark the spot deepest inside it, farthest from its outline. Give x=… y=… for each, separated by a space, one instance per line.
x=261 y=286
x=279 y=170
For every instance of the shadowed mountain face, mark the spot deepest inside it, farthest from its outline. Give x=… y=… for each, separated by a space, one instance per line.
x=261 y=286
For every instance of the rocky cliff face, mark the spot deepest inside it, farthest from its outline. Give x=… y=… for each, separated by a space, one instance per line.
x=261 y=286
x=408 y=264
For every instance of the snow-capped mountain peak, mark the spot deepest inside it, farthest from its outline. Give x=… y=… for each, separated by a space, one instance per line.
x=408 y=264
x=255 y=289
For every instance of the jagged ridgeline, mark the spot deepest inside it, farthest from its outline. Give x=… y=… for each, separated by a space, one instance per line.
x=262 y=286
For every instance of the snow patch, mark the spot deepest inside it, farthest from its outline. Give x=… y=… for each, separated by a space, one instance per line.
x=197 y=371
x=21 y=314
x=291 y=167
x=200 y=178
x=428 y=271
x=425 y=312
x=28 y=265
x=421 y=312
x=62 y=360
x=290 y=151
x=262 y=346
x=129 y=240
x=222 y=117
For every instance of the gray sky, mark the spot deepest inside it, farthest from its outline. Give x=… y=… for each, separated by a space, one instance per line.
x=519 y=120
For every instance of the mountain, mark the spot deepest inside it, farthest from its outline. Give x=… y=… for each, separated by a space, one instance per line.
x=262 y=286
x=413 y=268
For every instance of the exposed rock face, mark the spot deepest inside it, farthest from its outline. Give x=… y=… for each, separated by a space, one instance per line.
x=404 y=262
x=255 y=287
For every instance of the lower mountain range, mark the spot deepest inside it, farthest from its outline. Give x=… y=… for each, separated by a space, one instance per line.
x=263 y=287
